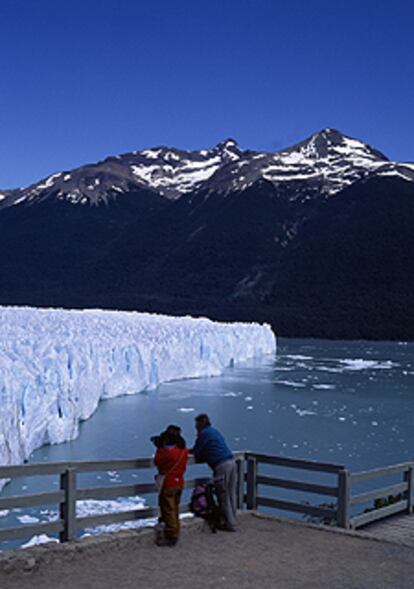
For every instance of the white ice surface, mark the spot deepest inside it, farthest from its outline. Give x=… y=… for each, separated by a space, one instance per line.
x=56 y=365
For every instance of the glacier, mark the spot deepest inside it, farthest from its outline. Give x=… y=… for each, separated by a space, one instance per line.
x=56 y=365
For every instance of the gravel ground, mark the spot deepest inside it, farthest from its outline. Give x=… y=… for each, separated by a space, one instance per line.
x=265 y=553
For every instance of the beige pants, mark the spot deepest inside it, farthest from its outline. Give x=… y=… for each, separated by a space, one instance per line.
x=169 y=502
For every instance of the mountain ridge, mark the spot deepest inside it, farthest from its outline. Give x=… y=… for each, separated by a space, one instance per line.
x=328 y=160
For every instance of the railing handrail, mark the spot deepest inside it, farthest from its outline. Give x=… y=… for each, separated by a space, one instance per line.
x=70 y=492
x=50 y=468
x=254 y=480
x=381 y=471
x=403 y=492
x=295 y=462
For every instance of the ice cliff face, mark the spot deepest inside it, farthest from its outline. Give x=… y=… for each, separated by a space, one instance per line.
x=56 y=365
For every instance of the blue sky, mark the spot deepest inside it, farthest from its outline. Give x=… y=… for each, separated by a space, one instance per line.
x=81 y=80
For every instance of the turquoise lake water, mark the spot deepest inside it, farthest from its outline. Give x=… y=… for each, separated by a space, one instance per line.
x=350 y=403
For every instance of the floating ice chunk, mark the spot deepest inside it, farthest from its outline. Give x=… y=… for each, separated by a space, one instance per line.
x=186 y=409
x=360 y=364
x=27 y=519
x=290 y=383
x=303 y=412
x=41 y=539
x=96 y=507
x=323 y=386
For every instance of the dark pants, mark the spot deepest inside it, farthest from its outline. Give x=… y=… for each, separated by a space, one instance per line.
x=169 y=502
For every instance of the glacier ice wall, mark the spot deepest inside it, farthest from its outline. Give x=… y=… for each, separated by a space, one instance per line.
x=56 y=365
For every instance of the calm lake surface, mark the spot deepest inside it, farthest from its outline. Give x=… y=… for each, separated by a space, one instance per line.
x=350 y=403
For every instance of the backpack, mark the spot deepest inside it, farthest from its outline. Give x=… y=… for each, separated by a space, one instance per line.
x=203 y=504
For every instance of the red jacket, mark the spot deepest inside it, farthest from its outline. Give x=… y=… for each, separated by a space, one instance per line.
x=172 y=460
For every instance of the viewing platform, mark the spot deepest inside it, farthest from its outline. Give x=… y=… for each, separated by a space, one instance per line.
x=266 y=553
x=369 y=541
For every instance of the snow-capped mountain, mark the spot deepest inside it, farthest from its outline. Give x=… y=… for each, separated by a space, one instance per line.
x=331 y=161
x=168 y=171
x=324 y=164
x=316 y=239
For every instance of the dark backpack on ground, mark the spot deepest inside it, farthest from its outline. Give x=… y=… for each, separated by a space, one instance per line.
x=203 y=504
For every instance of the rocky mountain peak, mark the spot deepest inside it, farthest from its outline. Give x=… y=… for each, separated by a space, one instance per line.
x=228 y=148
x=331 y=143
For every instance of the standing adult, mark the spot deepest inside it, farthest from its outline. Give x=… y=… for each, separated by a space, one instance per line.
x=211 y=447
x=171 y=459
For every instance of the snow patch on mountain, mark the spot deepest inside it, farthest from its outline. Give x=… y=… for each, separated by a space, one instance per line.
x=328 y=160
x=183 y=176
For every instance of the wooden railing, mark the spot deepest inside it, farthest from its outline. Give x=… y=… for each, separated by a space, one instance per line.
x=254 y=480
x=400 y=493
x=251 y=481
x=67 y=524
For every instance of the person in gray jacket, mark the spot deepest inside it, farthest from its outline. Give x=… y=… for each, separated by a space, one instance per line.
x=211 y=447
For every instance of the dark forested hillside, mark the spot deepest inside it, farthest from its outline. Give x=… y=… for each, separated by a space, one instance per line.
x=339 y=265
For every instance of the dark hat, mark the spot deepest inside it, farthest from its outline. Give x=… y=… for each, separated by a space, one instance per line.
x=173 y=429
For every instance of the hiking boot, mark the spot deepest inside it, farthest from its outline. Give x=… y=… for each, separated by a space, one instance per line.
x=166 y=541
x=226 y=528
x=159 y=531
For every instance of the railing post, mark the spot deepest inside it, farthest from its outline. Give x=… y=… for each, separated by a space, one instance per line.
x=409 y=479
x=68 y=507
x=344 y=497
x=240 y=481
x=251 y=483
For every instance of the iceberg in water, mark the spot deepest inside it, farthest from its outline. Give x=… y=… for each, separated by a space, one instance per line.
x=56 y=365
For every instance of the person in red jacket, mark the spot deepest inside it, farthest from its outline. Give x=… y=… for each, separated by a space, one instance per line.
x=171 y=460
